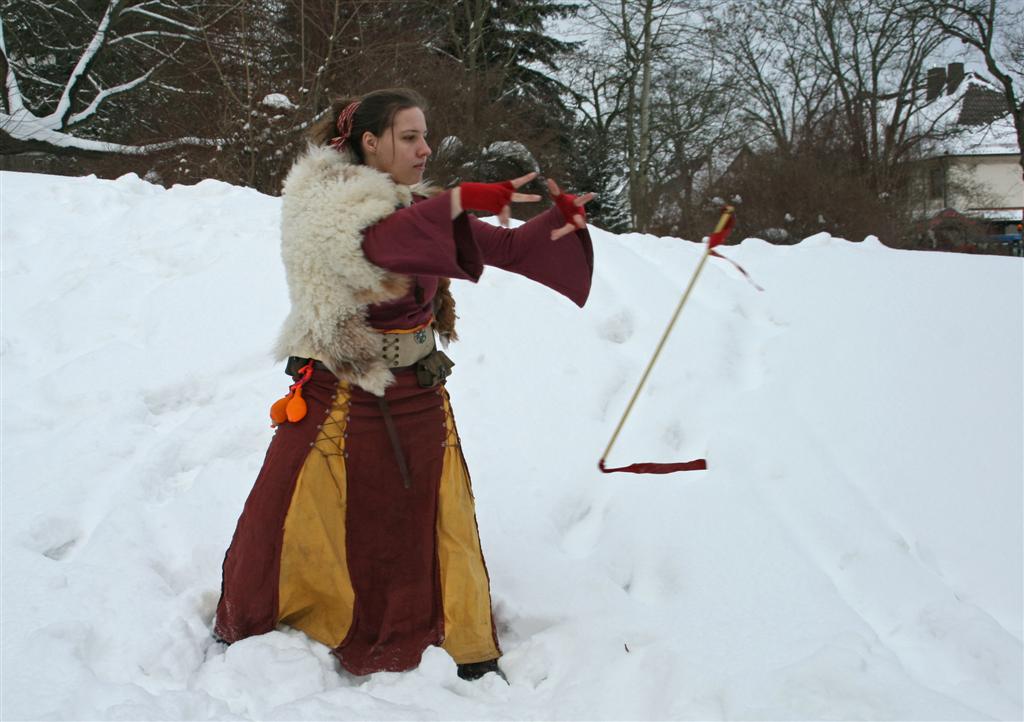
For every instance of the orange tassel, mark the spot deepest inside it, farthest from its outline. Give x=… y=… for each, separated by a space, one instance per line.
x=295 y=409
x=292 y=407
x=278 y=412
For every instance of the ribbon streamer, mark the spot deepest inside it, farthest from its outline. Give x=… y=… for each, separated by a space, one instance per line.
x=738 y=267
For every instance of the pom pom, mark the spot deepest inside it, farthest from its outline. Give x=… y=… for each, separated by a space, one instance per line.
x=296 y=407
x=278 y=412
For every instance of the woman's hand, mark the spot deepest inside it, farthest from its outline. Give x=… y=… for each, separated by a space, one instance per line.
x=572 y=209
x=494 y=197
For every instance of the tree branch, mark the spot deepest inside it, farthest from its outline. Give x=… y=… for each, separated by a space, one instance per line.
x=82 y=66
x=104 y=94
x=137 y=9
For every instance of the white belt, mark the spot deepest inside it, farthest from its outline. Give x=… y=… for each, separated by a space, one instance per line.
x=405 y=349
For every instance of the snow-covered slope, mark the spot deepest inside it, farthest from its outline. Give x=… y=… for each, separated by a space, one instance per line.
x=853 y=551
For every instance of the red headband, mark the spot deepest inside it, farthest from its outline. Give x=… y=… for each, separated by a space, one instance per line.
x=344 y=126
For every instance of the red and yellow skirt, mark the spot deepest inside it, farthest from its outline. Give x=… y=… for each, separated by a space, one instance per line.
x=332 y=542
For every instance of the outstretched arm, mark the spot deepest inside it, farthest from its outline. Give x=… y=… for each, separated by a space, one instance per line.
x=433 y=238
x=424 y=240
x=430 y=239
x=565 y=265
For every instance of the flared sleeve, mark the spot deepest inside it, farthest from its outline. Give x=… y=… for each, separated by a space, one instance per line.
x=423 y=240
x=565 y=265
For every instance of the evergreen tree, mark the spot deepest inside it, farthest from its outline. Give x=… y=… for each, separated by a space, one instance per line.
x=504 y=86
x=505 y=41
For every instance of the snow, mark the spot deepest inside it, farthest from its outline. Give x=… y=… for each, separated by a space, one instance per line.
x=854 y=550
x=996 y=138
x=279 y=101
x=1010 y=217
x=511 y=149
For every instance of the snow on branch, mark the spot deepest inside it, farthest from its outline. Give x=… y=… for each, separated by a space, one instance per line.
x=24 y=125
x=148 y=34
x=106 y=93
x=28 y=128
x=156 y=16
x=82 y=66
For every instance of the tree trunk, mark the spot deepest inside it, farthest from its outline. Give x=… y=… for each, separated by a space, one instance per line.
x=643 y=213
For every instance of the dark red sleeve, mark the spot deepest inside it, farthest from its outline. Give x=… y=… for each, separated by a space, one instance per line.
x=423 y=240
x=565 y=265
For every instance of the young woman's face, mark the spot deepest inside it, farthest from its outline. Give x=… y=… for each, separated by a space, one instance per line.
x=402 y=149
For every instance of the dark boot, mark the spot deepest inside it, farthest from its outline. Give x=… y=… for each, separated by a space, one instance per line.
x=476 y=670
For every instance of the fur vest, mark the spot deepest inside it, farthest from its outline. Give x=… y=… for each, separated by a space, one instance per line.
x=328 y=200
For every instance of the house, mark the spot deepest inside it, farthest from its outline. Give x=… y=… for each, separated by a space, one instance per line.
x=973 y=168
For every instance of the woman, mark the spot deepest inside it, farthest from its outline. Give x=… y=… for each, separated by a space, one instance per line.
x=360 y=529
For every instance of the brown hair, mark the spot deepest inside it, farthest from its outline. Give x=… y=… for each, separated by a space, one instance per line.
x=376 y=113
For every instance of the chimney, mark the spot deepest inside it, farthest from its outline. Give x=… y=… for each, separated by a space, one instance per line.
x=954 y=76
x=936 y=82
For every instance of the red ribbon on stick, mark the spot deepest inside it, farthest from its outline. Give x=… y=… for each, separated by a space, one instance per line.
x=725 y=224
x=650 y=467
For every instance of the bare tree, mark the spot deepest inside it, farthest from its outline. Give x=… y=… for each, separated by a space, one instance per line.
x=876 y=55
x=644 y=35
x=788 y=92
x=994 y=30
x=833 y=94
x=695 y=133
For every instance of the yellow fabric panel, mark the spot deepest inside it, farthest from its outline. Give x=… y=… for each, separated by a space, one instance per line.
x=315 y=591
x=465 y=588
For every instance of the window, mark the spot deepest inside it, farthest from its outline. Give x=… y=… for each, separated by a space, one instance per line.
x=936 y=183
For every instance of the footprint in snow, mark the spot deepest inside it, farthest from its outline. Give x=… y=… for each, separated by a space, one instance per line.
x=673 y=435
x=514 y=627
x=53 y=537
x=617 y=328
x=187 y=394
x=584 y=530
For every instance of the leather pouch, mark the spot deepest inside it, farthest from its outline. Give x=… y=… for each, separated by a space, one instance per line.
x=294 y=364
x=433 y=369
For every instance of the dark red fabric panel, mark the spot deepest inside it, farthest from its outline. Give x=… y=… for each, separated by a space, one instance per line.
x=409 y=311
x=391 y=529
x=252 y=564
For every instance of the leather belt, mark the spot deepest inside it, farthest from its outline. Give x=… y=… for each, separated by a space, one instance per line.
x=398 y=350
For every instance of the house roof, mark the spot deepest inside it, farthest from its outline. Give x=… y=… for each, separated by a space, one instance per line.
x=980 y=105
x=972 y=120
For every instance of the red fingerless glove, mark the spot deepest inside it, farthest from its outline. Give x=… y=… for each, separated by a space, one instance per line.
x=486 y=196
x=565 y=203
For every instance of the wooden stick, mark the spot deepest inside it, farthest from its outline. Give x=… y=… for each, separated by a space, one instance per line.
x=726 y=213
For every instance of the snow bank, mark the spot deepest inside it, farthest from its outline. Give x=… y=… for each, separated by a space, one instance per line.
x=853 y=551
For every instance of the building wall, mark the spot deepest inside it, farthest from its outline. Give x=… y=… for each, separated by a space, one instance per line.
x=994 y=182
